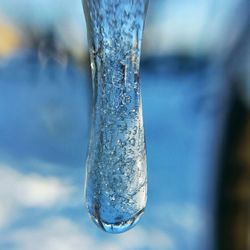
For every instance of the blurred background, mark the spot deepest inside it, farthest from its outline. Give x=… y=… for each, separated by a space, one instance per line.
x=195 y=74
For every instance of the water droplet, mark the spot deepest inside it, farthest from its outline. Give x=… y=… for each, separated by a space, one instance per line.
x=132 y=141
x=128 y=99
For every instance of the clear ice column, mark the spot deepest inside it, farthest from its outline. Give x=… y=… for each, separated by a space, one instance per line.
x=116 y=175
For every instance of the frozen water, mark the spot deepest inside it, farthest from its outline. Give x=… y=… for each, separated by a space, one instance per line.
x=116 y=179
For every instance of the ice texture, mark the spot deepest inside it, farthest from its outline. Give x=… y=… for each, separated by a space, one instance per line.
x=116 y=178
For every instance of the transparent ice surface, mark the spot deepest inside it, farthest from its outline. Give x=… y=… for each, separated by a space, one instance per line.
x=116 y=178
